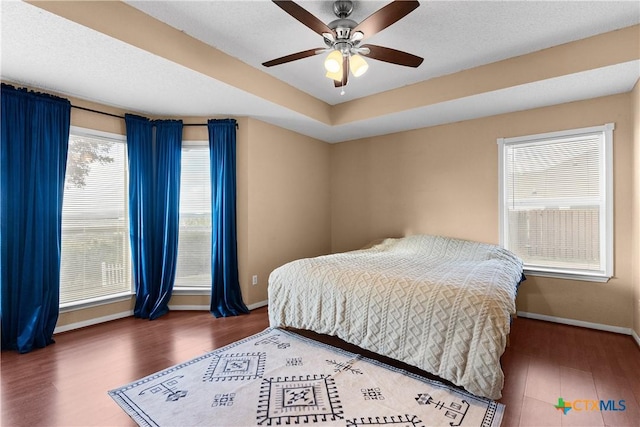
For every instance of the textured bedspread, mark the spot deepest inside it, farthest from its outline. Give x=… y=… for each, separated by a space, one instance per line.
x=436 y=303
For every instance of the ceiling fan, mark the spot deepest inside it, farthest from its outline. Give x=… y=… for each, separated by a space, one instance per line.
x=343 y=38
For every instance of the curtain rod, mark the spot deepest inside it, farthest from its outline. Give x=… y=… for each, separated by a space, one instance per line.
x=122 y=117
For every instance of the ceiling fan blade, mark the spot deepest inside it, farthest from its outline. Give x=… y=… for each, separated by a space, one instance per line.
x=393 y=56
x=293 y=57
x=302 y=15
x=345 y=74
x=386 y=16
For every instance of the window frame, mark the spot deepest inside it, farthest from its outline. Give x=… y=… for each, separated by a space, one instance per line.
x=606 y=206
x=194 y=290
x=115 y=297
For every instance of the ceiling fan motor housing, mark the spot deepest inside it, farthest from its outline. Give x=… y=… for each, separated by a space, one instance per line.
x=342 y=27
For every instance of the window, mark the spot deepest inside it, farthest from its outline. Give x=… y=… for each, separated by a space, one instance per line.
x=556 y=209
x=95 y=260
x=194 y=242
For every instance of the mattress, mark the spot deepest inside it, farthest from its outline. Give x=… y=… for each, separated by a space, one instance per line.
x=438 y=303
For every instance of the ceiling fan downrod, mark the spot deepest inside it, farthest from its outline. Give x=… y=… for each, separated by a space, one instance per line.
x=343 y=8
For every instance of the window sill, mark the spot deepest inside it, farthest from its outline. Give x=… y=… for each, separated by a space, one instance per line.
x=191 y=291
x=568 y=275
x=79 y=305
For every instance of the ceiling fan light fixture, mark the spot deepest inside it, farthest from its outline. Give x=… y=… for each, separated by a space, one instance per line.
x=358 y=65
x=343 y=36
x=333 y=62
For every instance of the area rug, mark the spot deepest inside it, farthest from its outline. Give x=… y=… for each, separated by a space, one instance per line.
x=278 y=377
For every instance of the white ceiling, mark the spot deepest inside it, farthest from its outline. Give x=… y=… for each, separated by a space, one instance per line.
x=47 y=51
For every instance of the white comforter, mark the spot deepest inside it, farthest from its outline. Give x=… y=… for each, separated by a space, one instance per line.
x=440 y=304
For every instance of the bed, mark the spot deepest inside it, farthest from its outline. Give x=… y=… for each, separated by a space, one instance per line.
x=441 y=304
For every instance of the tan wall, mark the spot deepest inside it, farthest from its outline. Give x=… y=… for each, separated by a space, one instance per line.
x=444 y=180
x=288 y=201
x=635 y=95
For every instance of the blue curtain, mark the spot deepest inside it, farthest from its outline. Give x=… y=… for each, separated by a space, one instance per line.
x=154 y=149
x=33 y=161
x=226 y=298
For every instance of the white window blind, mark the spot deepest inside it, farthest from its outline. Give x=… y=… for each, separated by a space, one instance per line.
x=556 y=210
x=194 y=242
x=95 y=260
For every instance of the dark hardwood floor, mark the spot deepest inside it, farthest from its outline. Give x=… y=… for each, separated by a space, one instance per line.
x=66 y=383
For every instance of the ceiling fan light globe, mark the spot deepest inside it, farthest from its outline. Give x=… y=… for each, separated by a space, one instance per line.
x=333 y=62
x=337 y=76
x=332 y=66
x=357 y=36
x=358 y=65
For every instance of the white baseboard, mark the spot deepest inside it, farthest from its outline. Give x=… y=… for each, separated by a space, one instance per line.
x=206 y=307
x=554 y=319
x=188 y=307
x=94 y=321
x=573 y=322
x=97 y=320
x=258 y=305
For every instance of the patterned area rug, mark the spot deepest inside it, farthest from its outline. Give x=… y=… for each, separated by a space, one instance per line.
x=278 y=377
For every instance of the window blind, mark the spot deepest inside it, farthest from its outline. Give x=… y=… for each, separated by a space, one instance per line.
x=95 y=260
x=194 y=242
x=555 y=206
